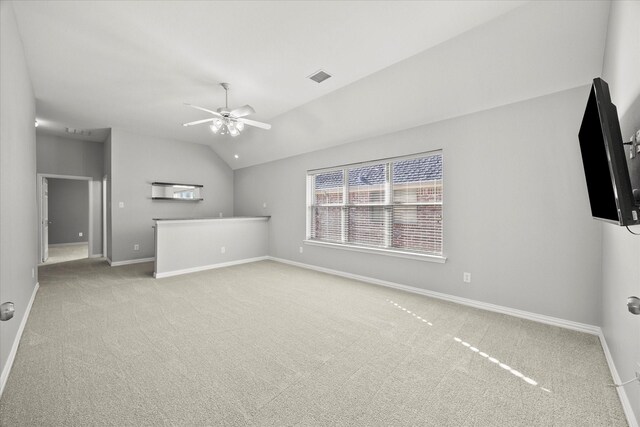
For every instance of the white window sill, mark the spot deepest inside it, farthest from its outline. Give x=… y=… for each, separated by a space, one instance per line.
x=390 y=252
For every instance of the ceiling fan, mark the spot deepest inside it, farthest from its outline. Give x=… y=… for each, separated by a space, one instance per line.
x=225 y=121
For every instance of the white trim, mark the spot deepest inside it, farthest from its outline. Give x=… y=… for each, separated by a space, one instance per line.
x=622 y=393
x=96 y=256
x=541 y=318
x=16 y=342
x=89 y=180
x=129 y=261
x=160 y=221
x=209 y=267
x=103 y=208
x=55 y=245
x=53 y=175
x=90 y=227
x=380 y=251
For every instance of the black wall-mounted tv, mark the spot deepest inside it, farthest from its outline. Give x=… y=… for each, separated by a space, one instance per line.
x=604 y=157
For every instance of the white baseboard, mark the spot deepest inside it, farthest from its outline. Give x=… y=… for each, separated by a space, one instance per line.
x=541 y=318
x=622 y=393
x=57 y=245
x=129 y=261
x=16 y=342
x=208 y=267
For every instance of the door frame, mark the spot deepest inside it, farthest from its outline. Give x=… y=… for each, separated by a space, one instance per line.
x=104 y=216
x=89 y=179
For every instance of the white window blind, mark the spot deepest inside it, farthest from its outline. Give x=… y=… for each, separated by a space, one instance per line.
x=394 y=204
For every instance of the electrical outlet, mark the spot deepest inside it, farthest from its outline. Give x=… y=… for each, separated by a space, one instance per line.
x=121 y=204
x=136 y=247
x=301 y=249
x=466 y=277
x=223 y=250
x=80 y=234
x=264 y=205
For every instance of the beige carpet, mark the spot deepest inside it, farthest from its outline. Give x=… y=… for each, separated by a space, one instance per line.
x=66 y=253
x=270 y=344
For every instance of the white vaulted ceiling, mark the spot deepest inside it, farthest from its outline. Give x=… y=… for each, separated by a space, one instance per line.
x=395 y=64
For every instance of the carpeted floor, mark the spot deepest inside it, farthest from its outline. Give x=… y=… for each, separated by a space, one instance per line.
x=271 y=344
x=66 y=253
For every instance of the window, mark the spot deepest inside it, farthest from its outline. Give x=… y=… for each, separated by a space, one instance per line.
x=392 y=205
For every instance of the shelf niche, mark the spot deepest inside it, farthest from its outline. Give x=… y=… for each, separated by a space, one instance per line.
x=176 y=191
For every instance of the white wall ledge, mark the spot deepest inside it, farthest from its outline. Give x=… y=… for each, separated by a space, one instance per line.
x=379 y=251
x=229 y=218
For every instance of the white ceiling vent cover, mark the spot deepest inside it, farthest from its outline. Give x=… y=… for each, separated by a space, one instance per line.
x=319 y=76
x=78 y=131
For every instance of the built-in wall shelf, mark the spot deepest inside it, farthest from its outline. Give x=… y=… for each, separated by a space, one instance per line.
x=176 y=191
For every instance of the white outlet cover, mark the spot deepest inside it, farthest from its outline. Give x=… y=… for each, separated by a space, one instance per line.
x=264 y=205
x=301 y=249
x=80 y=234
x=466 y=277
x=121 y=204
x=223 y=250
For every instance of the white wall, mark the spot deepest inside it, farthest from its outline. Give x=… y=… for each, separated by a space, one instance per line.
x=136 y=162
x=620 y=249
x=187 y=246
x=537 y=49
x=516 y=213
x=18 y=203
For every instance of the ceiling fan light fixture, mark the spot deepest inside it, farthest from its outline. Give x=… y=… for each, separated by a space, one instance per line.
x=226 y=121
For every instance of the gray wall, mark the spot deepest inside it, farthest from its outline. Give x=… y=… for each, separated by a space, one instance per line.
x=58 y=155
x=516 y=213
x=68 y=210
x=107 y=172
x=621 y=249
x=136 y=162
x=18 y=206
x=66 y=156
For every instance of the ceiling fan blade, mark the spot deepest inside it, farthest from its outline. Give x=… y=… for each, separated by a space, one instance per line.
x=197 y=122
x=254 y=123
x=245 y=110
x=215 y=113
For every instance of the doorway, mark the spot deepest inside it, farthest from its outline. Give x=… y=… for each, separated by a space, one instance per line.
x=66 y=223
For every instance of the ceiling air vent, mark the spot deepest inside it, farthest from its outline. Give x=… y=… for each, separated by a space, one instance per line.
x=319 y=76
x=78 y=131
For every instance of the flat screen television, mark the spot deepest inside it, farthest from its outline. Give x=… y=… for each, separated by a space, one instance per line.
x=604 y=157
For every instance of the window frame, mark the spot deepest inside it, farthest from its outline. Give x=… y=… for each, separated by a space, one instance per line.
x=387 y=207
